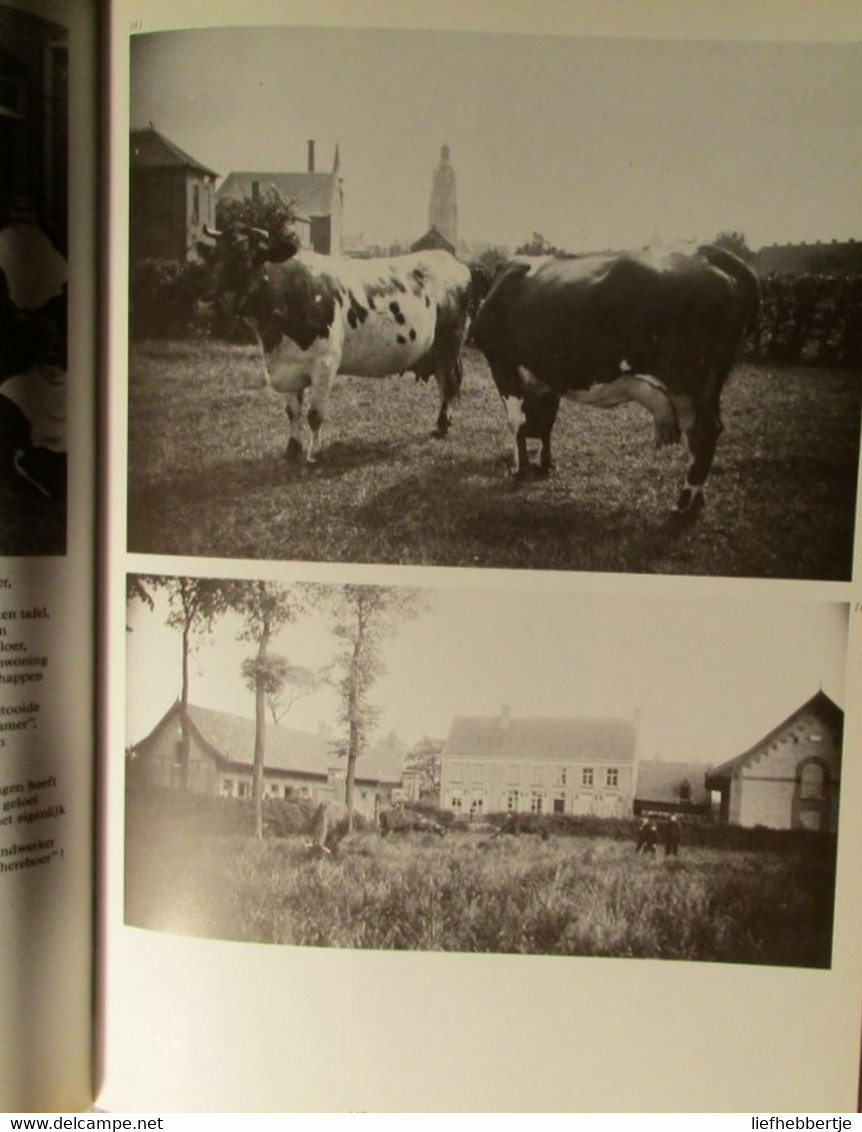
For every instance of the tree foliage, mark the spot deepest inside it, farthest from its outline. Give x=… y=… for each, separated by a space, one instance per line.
x=734 y=242
x=538 y=245
x=269 y=210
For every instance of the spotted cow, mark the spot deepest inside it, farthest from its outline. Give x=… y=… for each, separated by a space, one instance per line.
x=660 y=330
x=400 y=820
x=317 y=315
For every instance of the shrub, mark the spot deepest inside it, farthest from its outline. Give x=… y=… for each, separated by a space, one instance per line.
x=163 y=298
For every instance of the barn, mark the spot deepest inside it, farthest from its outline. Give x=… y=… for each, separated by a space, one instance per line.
x=493 y=764
x=299 y=764
x=433 y=240
x=171 y=198
x=317 y=197
x=791 y=778
x=672 y=788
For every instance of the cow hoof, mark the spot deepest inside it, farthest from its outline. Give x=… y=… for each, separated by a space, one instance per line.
x=666 y=433
x=293 y=452
x=440 y=432
x=689 y=503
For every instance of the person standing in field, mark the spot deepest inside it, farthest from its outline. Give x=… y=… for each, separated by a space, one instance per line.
x=672 y=835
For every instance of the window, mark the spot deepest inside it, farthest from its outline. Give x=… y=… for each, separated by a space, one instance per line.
x=226 y=788
x=242 y=789
x=612 y=776
x=559 y=803
x=477 y=803
x=196 y=204
x=513 y=773
x=457 y=772
x=587 y=776
x=811 y=781
x=512 y=801
x=536 y=776
x=536 y=802
x=457 y=801
x=560 y=775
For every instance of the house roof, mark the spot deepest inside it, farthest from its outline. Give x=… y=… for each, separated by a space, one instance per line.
x=148 y=149
x=658 y=781
x=311 y=193
x=820 y=704
x=433 y=238
x=548 y=739
x=230 y=738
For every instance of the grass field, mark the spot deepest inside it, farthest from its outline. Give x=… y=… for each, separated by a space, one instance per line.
x=568 y=895
x=207 y=475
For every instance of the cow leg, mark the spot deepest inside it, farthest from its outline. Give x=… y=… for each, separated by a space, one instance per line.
x=294 y=418
x=319 y=397
x=701 y=438
x=515 y=415
x=448 y=375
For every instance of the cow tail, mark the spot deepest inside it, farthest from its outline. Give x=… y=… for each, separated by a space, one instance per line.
x=739 y=271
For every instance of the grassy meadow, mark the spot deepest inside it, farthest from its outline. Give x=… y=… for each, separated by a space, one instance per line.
x=207 y=475
x=569 y=895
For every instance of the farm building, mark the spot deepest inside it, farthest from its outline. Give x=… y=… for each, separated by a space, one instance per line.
x=34 y=118
x=318 y=198
x=433 y=240
x=171 y=198
x=299 y=764
x=791 y=778
x=539 y=765
x=672 y=788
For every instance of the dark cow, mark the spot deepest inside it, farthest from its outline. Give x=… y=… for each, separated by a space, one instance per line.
x=329 y=826
x=515 y=824
x=408 y=821
x=662 y=330
x=318 y=315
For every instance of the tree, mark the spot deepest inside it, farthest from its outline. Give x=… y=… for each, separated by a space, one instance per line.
x=734 y=242
x=538 y=245
x=265 y=608
x=194 y=604
x=363 y=618
x=424 y=757
x=269 y=211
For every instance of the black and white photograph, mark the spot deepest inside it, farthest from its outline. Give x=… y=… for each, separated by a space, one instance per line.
x=34 y=117
x=578 y=304
x=373 y=766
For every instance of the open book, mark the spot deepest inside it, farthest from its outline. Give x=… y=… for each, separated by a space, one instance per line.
x=457 y=746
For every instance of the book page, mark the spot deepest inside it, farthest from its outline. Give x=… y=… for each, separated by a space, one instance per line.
x=482 y=630
x=47 y=543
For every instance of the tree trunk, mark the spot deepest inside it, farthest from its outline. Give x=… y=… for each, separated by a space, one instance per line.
x=259 y=734
x=185 y=741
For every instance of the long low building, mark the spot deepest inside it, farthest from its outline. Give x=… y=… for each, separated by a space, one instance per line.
x=298 y=764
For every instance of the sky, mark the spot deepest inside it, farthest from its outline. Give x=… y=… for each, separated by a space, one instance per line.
x=708 y=676
x=594 y=143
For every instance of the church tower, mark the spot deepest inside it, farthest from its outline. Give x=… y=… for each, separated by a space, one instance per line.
x=443 y=209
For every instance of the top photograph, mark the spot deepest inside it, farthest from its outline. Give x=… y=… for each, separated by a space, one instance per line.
x=524 y=302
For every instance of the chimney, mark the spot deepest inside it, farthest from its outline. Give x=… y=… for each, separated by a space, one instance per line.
x=311 y=156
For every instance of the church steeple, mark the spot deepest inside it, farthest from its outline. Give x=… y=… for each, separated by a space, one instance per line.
x=443 y=209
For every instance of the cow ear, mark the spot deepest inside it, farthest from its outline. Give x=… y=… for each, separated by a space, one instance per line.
x=283 y=248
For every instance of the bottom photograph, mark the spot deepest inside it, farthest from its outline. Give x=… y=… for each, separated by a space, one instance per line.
x=476 y=770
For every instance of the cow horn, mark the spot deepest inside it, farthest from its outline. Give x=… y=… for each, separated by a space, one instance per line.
x=262 y=232
x=213 y=233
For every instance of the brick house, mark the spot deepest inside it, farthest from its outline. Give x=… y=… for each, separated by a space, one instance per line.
x=791 y=778
x=539 y=765
x=171 y=198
